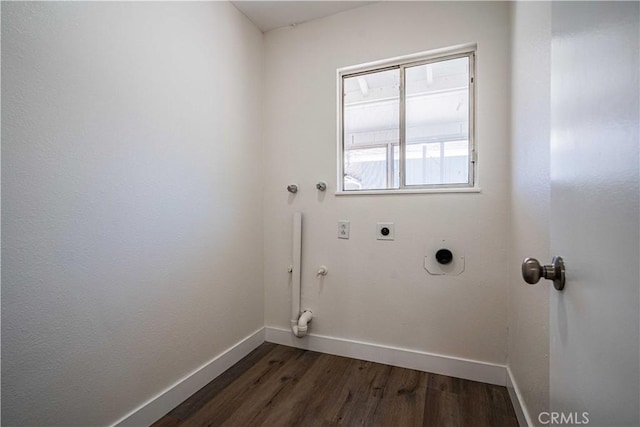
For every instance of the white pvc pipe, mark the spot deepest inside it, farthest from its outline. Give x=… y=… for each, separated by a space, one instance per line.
x=298 y=322
x=296 y=273
x=301 y=328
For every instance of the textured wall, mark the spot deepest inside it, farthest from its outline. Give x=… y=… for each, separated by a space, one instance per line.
x=378 y=291
x=131 y=201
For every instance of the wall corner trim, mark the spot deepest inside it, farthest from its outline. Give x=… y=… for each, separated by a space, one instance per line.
x=404 y=358
x=165 y=401
x=524 y=419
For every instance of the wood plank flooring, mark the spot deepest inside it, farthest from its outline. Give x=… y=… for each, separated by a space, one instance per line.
x=284 y=386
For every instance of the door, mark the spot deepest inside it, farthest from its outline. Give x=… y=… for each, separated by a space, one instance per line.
x=594 y=324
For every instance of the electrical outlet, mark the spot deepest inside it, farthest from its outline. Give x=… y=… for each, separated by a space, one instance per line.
x=385 y=231
x=343 y=229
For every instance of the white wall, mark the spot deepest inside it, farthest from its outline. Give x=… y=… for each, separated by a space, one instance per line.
x=132 y=218
x=378 y=291
x=530 y=133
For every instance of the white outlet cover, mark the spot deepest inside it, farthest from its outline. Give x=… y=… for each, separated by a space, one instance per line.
x=388 y=225
x=343 y=229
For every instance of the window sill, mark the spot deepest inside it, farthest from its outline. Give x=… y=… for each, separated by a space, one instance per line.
x=409 y=191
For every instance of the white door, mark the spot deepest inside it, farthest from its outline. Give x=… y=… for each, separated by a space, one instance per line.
x=594 y=329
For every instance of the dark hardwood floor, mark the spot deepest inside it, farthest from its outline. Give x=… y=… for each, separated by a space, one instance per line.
x=284 y=386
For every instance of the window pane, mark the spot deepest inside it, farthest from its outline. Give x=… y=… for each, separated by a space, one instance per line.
x=437 y=163
x=437 y=123
x=371 y=126
x=365 y=169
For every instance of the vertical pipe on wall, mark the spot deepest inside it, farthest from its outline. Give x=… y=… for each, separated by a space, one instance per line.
x=296 y=273
x=298 y=322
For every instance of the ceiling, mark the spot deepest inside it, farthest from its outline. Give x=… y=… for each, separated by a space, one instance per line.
x=269 y=15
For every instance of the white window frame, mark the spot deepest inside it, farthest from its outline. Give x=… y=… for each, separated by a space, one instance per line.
x=401 y=63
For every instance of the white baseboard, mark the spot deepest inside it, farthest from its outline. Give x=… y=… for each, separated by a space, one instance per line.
x=412 y=359
x=152 y=410
x=524 y=419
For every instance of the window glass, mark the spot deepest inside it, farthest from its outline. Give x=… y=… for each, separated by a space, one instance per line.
x=437 y=123
x=371 y=124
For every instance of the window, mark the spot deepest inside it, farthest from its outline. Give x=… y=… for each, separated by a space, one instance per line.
x=408 y=123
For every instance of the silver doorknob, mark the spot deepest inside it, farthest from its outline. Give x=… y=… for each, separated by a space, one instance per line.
x=532 y=271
